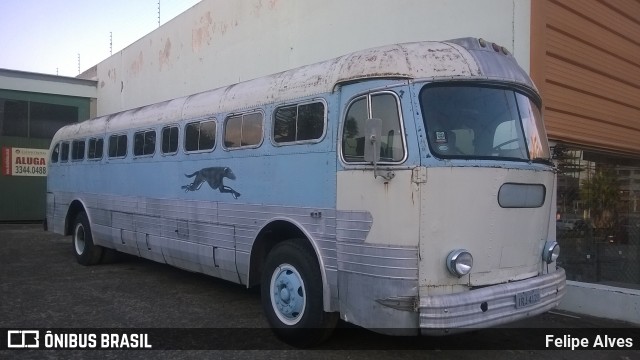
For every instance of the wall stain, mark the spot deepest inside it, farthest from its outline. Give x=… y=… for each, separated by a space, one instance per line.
x=137 y=64
x=203 y=33
x=258 y=6
x=111 y=74
x=165 y=54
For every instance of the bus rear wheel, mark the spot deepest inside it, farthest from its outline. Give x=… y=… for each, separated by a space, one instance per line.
x=291 y=294
x=86 y=252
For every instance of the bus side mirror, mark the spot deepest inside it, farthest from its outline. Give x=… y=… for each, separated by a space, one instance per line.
x=372 y=144
x=373 y=133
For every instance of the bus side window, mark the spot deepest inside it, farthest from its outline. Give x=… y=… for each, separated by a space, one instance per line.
x=243 y=130
x=383 y=106
x=169 y=140
x=64 y=154
x=144 y=143
x=54 y=153
x=200 y=135
x=301 y=122
x=353 y=132
x=77 y=150
x=96 y=148
x=310 y=121
x=118 y=146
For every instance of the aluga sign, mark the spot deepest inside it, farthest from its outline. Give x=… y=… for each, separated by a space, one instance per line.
x=24 y=161
x=407 y=189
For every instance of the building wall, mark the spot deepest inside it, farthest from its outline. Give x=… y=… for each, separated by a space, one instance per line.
x=23 y=197
x=586 y=62
x=221 y=42
x=32 y=107
x=585 y=59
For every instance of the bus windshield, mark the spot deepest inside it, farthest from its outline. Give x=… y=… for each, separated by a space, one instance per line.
x=470 y=121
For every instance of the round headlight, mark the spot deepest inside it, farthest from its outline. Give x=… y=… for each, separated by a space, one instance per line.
x=551 y=252
x=459 y=262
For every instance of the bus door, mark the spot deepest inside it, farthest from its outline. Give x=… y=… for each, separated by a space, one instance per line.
x=379 y=209
x=389 y=193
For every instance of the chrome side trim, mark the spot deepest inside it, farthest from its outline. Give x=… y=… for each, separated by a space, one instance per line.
x=215 y=238
x=353 y=226
x=383 y=304
x=356 y=256
x=404 y=303
x=376 y=279
x=446 y=314
x=387 y=262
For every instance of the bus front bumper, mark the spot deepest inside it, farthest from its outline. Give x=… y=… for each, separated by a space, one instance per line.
x=491 y=305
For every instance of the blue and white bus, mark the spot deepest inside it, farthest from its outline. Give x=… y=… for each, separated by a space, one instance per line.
x=407 y=189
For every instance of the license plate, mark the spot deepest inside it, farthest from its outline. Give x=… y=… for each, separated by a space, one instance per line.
x=527 y=298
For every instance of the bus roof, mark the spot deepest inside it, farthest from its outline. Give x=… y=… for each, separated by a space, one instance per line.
x=466 y=58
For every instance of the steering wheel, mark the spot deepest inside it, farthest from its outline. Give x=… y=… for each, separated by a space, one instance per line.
x=497 y=147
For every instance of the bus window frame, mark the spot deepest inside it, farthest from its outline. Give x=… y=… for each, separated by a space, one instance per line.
x=243 y=114
x=297 y=104
x=167 y=126
x=84 y=150
x=62 y=146
x=56 y=152
x=368 y=95
x=144 y=132
x=88 y=142
x=126 y=147
x=201 y=120
x=515 y=88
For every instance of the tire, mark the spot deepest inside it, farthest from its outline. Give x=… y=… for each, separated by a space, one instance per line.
x=86 y=252
x=110 y=256
x=291 y=295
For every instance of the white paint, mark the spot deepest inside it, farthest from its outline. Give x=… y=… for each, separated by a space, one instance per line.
x=460 y=211
x=394 y=205
x=612 y=302
x=222 y=42
x=456 y=208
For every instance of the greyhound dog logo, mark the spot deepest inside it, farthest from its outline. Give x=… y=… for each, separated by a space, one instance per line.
x=214 y=176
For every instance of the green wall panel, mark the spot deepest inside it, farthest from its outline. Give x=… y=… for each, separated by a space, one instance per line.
x=23 y=198
x=83 y=104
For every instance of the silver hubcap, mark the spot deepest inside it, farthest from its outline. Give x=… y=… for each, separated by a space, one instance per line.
x=288 y=295
x=78 y=239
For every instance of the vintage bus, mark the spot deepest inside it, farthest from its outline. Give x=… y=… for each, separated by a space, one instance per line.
x=407 y=189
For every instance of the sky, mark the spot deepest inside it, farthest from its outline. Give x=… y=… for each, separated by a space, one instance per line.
x=46 y=36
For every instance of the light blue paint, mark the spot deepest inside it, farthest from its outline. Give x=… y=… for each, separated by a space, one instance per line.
x=302 y=175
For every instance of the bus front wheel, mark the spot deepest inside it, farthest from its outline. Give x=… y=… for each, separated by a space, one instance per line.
x=86 y=252
x=291 y=293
